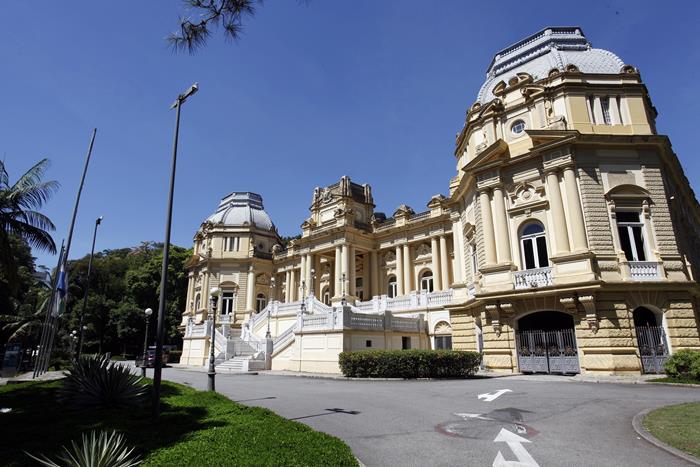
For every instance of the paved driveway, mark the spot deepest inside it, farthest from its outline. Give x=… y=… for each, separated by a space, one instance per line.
x=549 y=421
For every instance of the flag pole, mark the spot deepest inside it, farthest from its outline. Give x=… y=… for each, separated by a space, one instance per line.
x=38 y=363
x=63 y=265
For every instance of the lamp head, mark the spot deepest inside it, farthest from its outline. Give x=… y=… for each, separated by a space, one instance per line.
x=214 y=291
x=98 y=221
x=148 y=311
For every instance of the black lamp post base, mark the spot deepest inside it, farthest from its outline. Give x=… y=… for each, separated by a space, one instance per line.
x=211 y=382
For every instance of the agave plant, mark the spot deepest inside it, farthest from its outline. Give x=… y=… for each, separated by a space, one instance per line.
x=96 y=382
x=106 y=449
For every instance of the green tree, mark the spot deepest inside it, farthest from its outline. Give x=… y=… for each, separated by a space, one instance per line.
x=19 y=217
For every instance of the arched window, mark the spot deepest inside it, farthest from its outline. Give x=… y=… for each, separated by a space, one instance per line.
x=391 y=287
x=533 y=246
x=260 y=302
x=227 y=301
x=197 y=302
x=426 y=281
x=326 y=294
x=443 y=336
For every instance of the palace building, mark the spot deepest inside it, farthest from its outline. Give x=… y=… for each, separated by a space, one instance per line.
x=568 y=242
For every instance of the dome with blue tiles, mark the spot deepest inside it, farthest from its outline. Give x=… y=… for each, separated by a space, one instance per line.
x=550 y=48
x=242 y=209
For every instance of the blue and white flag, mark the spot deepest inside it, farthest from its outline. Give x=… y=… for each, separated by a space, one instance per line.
x=61 y=292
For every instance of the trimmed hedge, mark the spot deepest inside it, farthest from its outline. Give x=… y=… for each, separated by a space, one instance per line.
x=409 y=363
x=684 y=364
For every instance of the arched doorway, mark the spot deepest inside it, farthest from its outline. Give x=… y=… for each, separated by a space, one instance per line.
x=651 y=339
x=546 y=343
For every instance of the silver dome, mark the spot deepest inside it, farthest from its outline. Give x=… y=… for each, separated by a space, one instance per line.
x=554 y=47
x=242 y=209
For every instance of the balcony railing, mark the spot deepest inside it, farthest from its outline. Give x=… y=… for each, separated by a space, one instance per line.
x=414 y=300
x=644 y=270
x=532 y=278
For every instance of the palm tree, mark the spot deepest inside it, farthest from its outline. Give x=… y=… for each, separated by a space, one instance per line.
x=19 y=216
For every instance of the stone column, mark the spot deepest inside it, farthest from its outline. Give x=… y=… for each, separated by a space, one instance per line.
x=598 y=111
x=287 y=285
x=250 y=290
x=352 y=267
x=444 y=264
x=435 y=256
x=561 y=234
x=366 y=277
x=573 y=203
x=502 y=228
x=302 y=275
x=374 y=274
x=399 y=271
x=292 y=285
x=338 y=271
x=345 y=269
x=458 y=248
x=407 y=268
x=487 y=228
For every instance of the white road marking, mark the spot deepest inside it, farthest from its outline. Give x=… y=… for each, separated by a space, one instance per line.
x=488 y=397
x=515 y=443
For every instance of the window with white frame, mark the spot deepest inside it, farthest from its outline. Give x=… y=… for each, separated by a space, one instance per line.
x=426 y=281
x=630 y=229
x=533 y=245
x=391 y=287
x=473 y=258
x=260 y=302
x=228 y=300
x=605 y=107
x=517 y=127
x=232 y=243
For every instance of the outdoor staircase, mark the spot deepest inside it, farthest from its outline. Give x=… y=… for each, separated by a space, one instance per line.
x=242 y=356
x=241 y=365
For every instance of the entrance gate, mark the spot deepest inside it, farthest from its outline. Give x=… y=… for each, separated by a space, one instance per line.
x=547 y=351
x=652 y=348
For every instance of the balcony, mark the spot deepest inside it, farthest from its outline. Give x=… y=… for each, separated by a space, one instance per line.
x=644 y=270
x=533 y=278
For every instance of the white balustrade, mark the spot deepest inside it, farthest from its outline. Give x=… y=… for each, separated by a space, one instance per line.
x=531 y=278
x=644 y=270
x=439 y=298
x=365 y=321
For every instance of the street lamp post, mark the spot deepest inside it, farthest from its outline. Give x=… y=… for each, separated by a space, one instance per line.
x=303 y=297
x=144 y=362
x=268 y=335
x=211 y=382
x=158 y=364
x=312 y=289
x=98 y=221
x=343 y=300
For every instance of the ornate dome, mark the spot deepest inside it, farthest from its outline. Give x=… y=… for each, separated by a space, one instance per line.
x=554 y=47
x=242 y=209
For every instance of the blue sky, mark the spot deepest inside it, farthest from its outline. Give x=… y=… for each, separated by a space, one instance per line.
x=372 y=89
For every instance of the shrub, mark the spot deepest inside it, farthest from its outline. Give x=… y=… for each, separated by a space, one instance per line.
x=105 y=449
x=96 y=382
x=409 y=363
x=684 y=364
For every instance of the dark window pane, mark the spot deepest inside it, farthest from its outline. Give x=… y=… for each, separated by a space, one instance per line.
x=627 y=216
x=529 y=254
x=639 y=243
x=532 y=229
x=542 y=252
x=625 y=243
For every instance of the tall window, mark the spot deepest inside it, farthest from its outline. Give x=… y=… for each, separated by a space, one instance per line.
x=391 y=289
x=260 y=303
x=326 y=296
x=473 y=258
x=197 y=302
x=605 y=106
x=232 y=243
x=426 y=281
x=359 y=290
x=533 y=245
x=227 y=301
x=630 y=230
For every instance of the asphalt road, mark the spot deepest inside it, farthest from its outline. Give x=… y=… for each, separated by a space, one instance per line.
x=549 y=421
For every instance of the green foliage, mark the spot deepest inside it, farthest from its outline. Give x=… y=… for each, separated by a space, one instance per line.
x=106 y=449
x=96 y=382
x=193 y=425
x=684 y=364
x=409 y=363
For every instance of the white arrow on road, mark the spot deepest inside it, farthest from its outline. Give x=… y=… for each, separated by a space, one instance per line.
x=488 y=397
x=515 y=443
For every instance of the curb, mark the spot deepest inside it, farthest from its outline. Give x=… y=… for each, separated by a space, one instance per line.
x=345 y=378
x=642 y=432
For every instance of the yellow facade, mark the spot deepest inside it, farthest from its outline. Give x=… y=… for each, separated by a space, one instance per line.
x=569 y=215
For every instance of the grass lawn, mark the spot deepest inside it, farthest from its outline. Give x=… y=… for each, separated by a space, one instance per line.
x=677 y=425
x=668 y=379
x=195 y=428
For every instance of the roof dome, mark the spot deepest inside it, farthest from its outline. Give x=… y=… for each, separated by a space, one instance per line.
x=554 y=47
x=242 y=209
